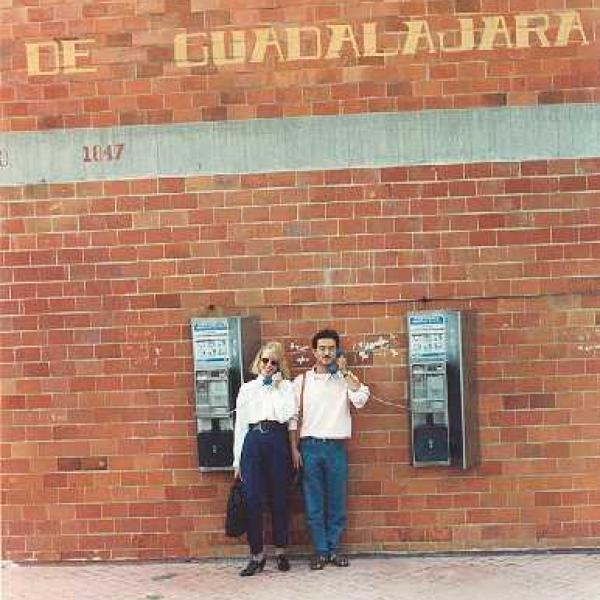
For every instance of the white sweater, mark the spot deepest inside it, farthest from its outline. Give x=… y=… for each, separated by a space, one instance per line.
x=258 y=402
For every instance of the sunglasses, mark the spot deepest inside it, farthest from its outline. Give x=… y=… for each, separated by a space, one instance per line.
x=265 y=361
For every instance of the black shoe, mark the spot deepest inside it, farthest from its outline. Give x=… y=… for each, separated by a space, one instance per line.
x=283 y=564
x=339 y=560
x=253 y=567
x=317 y=562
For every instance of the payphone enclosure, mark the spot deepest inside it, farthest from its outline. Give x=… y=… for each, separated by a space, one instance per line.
x=223 y=348
x=441 y=412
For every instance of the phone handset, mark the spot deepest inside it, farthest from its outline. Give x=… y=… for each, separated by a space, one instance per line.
x=333 y=368
x=268 y=379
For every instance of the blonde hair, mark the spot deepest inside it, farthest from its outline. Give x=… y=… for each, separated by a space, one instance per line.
x=274 y=348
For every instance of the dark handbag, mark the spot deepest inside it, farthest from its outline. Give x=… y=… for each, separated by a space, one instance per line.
x=235 y=519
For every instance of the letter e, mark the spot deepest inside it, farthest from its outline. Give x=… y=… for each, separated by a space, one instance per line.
x=70 y=54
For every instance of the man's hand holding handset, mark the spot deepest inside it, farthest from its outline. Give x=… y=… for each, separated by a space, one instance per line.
x=351 y=379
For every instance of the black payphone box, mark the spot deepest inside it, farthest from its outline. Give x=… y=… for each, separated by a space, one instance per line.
x=215 y=449
x=441 y=405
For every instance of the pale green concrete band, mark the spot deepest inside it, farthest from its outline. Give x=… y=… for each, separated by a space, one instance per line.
x=302 y=143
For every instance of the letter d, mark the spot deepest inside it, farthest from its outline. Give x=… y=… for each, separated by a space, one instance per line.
x=33 y=57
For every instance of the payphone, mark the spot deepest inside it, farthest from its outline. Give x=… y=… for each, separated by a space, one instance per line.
x=223 y=349
x=441 y=410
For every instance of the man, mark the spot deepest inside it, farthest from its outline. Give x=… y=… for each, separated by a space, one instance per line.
x=317 y=441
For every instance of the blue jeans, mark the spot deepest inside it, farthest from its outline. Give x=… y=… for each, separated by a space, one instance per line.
x=324 y=483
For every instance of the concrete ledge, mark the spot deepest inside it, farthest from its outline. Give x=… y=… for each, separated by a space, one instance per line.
x=302 y=143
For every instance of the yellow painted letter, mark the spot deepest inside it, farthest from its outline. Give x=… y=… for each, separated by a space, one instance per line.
x=370 y=42
x=492 y=28
x=569 y=21
x=340 y=35
x=525 y=27
x=294 y=36
x=265 y=38
x=33 y=58
x=467 y=38
x=180 y=46
x=70 y=54
x=417 y=30
x=238 y=47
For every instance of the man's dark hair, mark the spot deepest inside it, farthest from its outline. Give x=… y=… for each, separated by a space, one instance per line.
x=331 y=334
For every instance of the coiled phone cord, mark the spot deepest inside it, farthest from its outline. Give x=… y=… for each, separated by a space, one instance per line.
x=398 y=405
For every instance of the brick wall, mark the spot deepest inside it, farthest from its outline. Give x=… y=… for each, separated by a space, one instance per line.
x=102 y=278
x=126 y=71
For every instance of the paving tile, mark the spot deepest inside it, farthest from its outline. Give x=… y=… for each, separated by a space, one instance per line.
x=511 y=576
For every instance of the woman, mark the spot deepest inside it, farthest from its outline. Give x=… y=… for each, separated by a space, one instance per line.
x=261 y=451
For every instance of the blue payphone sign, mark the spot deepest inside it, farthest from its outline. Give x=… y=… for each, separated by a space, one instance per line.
x=427 y=337
x=210 y=339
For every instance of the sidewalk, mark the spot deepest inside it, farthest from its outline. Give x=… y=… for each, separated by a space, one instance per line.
x=510 y=576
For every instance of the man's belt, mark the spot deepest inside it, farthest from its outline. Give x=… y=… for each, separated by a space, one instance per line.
x=320 y=440
x=264 y=426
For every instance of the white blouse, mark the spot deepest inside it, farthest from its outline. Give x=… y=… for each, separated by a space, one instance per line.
x=259 y=402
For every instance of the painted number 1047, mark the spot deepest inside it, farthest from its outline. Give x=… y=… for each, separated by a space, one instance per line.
x=98 y=153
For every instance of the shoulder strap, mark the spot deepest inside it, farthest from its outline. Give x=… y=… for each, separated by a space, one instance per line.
x=301 y=402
